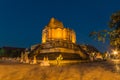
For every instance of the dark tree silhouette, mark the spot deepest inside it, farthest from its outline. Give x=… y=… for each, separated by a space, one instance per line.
x=113 y=34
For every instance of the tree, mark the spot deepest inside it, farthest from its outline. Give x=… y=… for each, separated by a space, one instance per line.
x=114 y=24
x=2 y=52
x=113 y=34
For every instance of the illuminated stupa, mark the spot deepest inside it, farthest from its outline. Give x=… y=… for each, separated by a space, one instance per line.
x=56 y=40
x=55 y=31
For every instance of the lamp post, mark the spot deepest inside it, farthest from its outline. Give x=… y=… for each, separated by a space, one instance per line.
x=115 y=53
x=116 y=59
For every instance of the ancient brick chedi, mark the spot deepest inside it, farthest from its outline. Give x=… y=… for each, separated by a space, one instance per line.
x=55 y=31
x=56 y=39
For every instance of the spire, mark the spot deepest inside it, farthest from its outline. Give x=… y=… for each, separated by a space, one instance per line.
x=54 y=23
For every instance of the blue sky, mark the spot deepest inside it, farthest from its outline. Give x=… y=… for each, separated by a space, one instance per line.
x=21 y=21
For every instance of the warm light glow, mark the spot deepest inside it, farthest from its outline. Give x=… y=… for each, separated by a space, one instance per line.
x=43 y=37
x=56 y=31
x=58 y=34
x=64 y=34
x=73 y=37
x=115 y=52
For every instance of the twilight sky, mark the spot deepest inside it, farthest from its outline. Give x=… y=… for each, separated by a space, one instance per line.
x=21 y=21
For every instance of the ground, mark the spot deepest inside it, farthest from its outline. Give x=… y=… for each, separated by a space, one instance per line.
x=80 y=71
